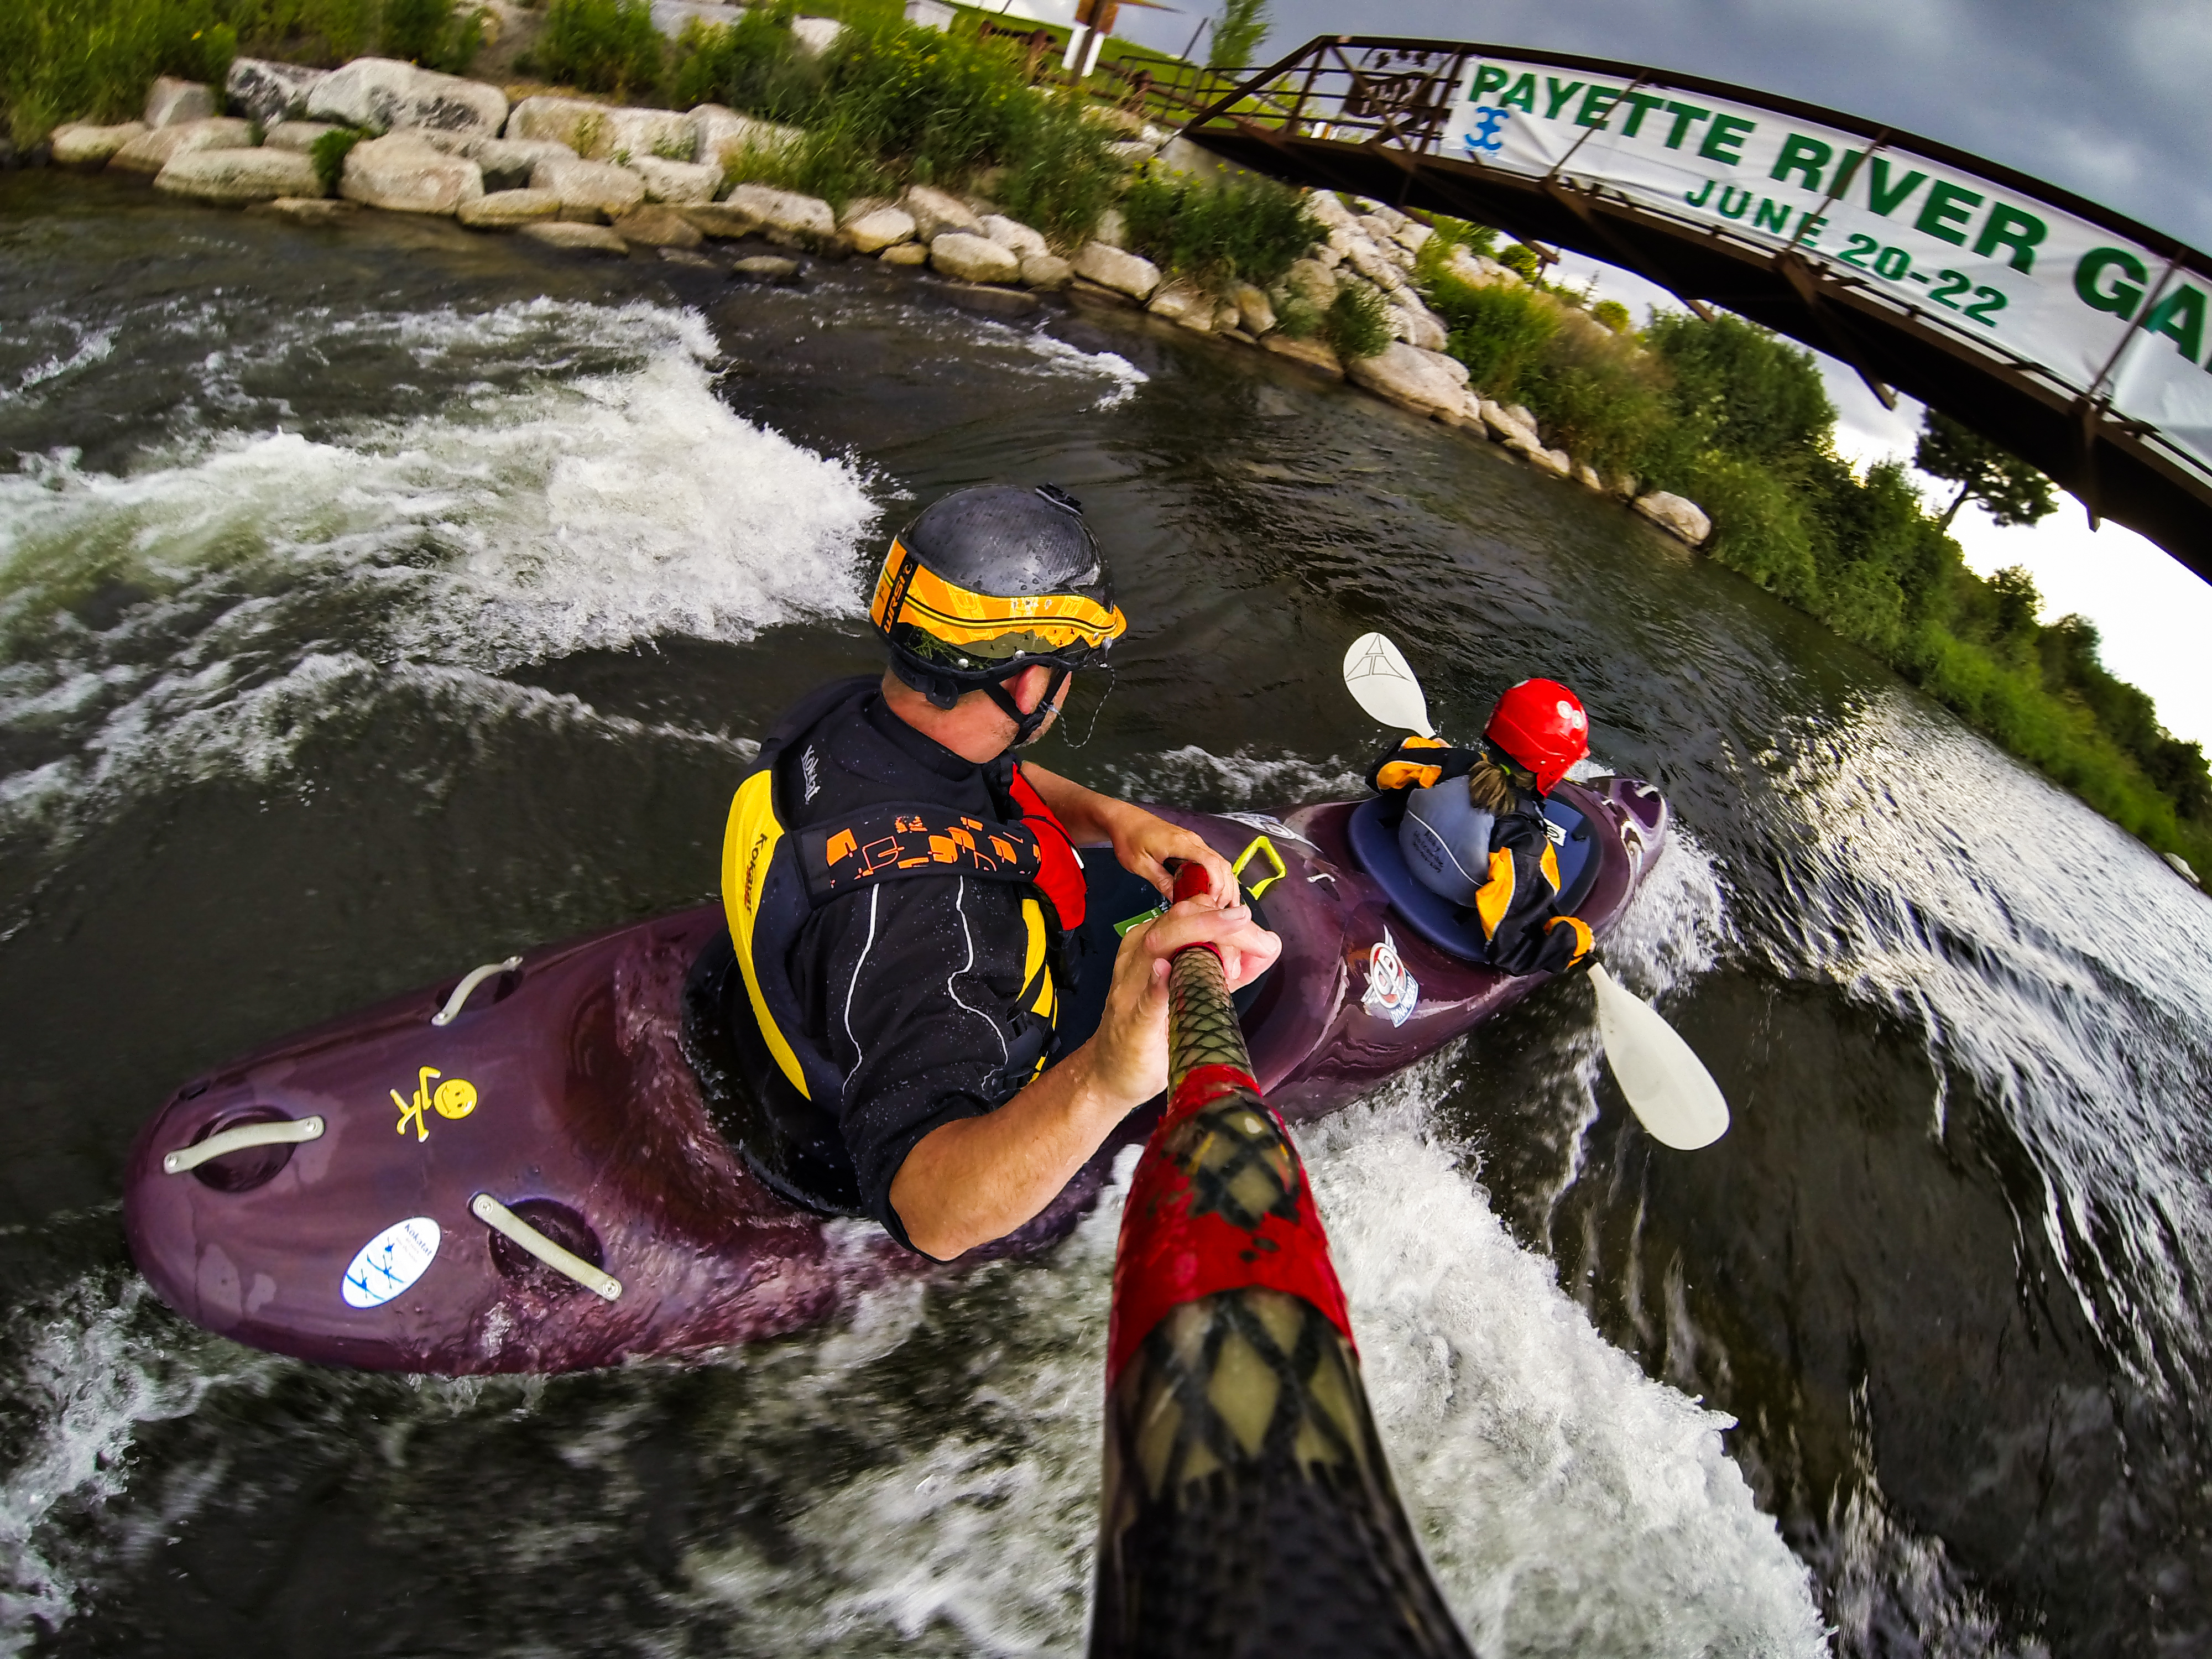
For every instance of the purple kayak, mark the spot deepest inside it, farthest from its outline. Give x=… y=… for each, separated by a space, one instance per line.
x=520 y=1170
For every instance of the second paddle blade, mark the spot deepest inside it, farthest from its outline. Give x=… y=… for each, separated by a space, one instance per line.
x=1672 y=1093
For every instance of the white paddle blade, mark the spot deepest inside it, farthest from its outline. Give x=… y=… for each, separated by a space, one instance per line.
x=1672 y=1094
x=1381 y=682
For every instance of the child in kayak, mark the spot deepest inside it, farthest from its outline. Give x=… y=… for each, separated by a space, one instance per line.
x=1471 y=827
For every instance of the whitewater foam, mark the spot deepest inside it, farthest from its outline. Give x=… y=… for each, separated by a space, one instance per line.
x=532 y=520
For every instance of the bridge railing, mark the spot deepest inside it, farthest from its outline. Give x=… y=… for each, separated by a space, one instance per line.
x=1350 y=88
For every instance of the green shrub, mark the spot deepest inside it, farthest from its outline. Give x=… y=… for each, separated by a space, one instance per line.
x=890 y=103
x=329 y=153
x=66 y=60
x=1237 y=231
x=752 y=64
x=1522 y=261
x=1743 y=389
x=1355 y=325
x=1759 y=525
x=434 y=32
x=601 y=45
x=1500 y=332
x=1614 y=314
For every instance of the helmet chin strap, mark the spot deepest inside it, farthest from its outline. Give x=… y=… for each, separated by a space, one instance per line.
x=1026 y=726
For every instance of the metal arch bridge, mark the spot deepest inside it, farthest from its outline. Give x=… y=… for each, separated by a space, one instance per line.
x=2098 y=400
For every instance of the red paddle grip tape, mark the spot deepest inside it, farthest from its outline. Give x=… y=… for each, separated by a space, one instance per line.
x=1191 y=881
x=1168 y=1256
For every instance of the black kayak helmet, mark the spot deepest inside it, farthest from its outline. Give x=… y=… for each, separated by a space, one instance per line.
x=984 y=583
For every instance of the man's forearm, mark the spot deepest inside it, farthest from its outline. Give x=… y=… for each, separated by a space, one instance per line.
x=978 y=1178
x=1087 y=815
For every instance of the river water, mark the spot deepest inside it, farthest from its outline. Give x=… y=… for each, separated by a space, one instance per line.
x=378 y=601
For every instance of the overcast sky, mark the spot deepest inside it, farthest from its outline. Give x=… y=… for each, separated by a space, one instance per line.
x=2107 y=99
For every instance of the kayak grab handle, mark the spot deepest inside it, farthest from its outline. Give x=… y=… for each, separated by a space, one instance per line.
x=501 y=1219
x=470 y=980
x=285 y=1132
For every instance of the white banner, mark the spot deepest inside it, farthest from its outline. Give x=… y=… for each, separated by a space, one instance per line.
x=1988 y=262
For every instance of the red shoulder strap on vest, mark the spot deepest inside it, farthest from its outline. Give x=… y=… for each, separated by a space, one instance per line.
x=891 y=839
x=1060 y=875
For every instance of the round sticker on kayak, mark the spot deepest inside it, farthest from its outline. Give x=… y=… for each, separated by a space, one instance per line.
x=390 y=1262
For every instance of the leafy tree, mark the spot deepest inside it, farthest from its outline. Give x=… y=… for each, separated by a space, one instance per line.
x=1238 y=36
x=2014 y=492
x=1742 y=390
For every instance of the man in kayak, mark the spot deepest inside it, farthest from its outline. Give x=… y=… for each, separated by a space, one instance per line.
x=1473 y=827
x=900 y=889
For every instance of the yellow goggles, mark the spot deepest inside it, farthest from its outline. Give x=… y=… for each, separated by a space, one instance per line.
x=909 y=593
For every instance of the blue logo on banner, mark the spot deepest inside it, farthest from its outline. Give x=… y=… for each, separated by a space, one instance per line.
x=1484 y=135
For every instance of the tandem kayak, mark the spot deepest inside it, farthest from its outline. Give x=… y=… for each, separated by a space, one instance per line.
x=521 y=1169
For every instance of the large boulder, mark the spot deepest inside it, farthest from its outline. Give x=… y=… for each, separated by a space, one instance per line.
x=970 y=258
x=604 y=132
x=504 y=209
x=1254 y=314
x=719 y=135
x=295 y=134
x=882 y=227
x=1013 y=235
x=1683 y=518
x=589 y=191
x=785 y=215
x=312 y=210
x=269 y=91
x=80 y=145
x=575 y=237
x=149 y=152
x=1115 y=269
x=1509 y=426
x=508 y=163
x=1180 y=301
x=1426 y=382
x=1045 y=270
x=172 y=103
x=385 y=94
x=815 y=35
x=722 y=219
x=1413 y=323
x=240 y=175
x=1330 y=213
x=401 y=174
x=1314 y=354
x=676 y=181
x=1311 y=281
x=657 y=225
x=936 y=211
x=1363 y=256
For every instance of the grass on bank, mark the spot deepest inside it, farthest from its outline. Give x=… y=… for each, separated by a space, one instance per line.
x=66 y=60
x=1737 y=420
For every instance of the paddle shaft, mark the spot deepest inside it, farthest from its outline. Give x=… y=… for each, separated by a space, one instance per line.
x=1247 y=1507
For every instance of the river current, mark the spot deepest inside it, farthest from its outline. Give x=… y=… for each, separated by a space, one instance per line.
x=378 y=601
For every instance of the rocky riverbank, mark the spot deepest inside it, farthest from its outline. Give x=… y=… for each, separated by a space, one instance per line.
x=593 y=178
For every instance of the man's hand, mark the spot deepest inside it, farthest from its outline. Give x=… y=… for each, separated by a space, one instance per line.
x=978 y=1178
x=1128 y=1053
x=1143 y=841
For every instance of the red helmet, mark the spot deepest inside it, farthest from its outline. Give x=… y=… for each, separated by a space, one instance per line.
x=1542 y=725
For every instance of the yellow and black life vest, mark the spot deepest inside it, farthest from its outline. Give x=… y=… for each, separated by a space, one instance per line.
x=776 y=873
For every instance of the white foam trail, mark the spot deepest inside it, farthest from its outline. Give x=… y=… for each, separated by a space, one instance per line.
x=86 y=1367
x=1571 y=1504
x=1243 y=779
x=1122 y=376
x=529 y=523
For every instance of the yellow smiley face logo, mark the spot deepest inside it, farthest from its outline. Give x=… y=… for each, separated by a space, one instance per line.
x=455 y=1097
